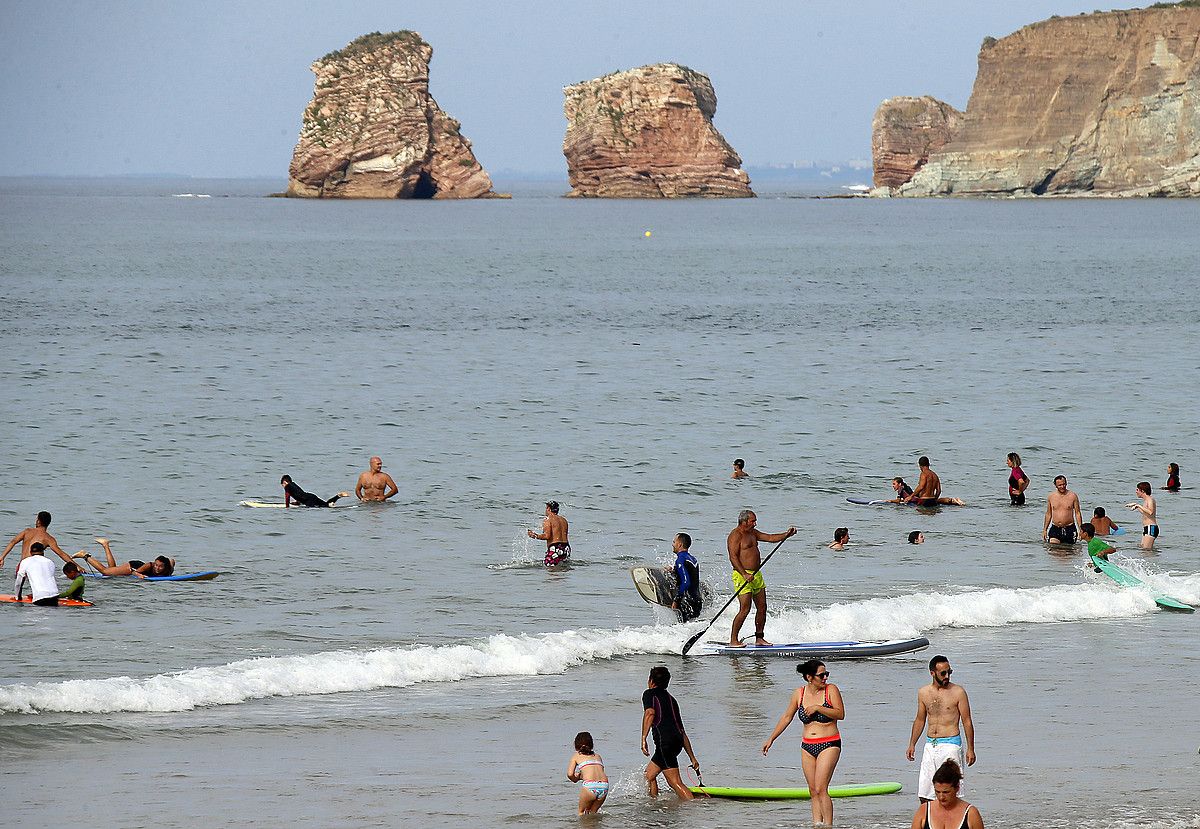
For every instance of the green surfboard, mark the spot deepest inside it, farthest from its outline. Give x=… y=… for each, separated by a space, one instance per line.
x=859 y=790
x=1127 y=579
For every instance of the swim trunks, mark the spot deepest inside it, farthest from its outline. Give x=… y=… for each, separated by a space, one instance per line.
x=1150 y=530
x=816 y=745
x=666 y=754
x=557 y=553
x=938 y=750
x=757 y=585
x=51 y=601
x=924 y=502
x=1065 y=534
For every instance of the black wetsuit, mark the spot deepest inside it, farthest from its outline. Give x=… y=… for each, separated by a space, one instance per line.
x=666 y=727
x=307 y=499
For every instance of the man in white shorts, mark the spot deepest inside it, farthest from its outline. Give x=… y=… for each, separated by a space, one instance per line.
x=941 y=705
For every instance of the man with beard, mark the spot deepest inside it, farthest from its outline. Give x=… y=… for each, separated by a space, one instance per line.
x=941 y=705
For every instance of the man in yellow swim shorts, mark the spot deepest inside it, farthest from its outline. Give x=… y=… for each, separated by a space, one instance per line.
x=746 y=559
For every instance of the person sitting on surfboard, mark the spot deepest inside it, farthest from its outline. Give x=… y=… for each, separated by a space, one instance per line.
x=1096 y=547
x=928 y=491
x=293 y=492
x=687 y=579
x=1102 y=524
x=903 y=491
x=161 y=566
x=554 y=533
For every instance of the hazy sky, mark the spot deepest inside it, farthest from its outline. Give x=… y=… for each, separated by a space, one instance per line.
x=217 y=88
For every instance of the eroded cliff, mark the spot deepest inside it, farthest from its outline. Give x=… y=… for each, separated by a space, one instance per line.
x=373 y=131
x=905 y=132
x=648 y=133
x=1101 y=104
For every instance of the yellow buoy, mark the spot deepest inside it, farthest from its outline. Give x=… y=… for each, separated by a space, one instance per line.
x=647 y=234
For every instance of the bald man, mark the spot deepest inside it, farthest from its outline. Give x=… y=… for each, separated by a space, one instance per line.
x=375 y=484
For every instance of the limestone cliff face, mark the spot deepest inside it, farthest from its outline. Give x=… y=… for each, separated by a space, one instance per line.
x=905 y=132
x=648 y=133
x=1099 y=104
x=373 y=131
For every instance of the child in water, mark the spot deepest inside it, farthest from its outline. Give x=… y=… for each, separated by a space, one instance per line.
x=1103 y=524
x=587 y=768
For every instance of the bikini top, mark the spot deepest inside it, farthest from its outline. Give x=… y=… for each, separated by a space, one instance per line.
x=817 y=715
x=593 y=761
x=962 y=825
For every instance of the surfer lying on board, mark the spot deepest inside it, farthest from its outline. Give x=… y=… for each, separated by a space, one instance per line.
x=746 y=558
x=687 y=579
x=928 y=492
x=161 y=566
x=293 y=492
x=1096 y=547
x=554 y=533
x=1062 y=514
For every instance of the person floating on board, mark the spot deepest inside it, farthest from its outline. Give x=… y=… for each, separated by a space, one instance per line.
x=1102 y=524
x=818 y=704
x=375 y=484
x=947 y=808
x=1018 y=481
x=841 y=537
x=739 y=470
x=1149 y=510
x=903 y=491
x=941 y=705
x=1095 y=547
x=593 y=786
x=687 y=579
x=554 y=533
x=1062 y=514
x=660 y=715
x=928 y=491
x=39 y=572
x=35 y=534
x=1172 y=478
x=161 y=566
x=293 y=492
x=746 y=559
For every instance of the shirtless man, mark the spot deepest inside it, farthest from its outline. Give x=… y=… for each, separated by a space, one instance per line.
x=941 y=705
x=928 y=492
x=554 y=533
x=35 y=534
x=1149 y=510
x=745 y=557
x=1062 y=514
x=739 y=469
x=375 y=484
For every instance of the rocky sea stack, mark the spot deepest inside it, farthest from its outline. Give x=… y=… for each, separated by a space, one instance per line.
x=373 y=131
x=1102 y=104
x=648 y=133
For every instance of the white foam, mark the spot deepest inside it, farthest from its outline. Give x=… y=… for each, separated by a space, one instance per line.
x=550 y=653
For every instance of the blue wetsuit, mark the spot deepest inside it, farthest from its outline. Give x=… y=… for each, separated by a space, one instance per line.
x=687 y=579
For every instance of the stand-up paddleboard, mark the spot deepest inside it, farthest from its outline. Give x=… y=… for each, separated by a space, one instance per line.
x=859 y=790
x=816 y=650
x=208 y=575
x=1127 y=579
x=61 y=602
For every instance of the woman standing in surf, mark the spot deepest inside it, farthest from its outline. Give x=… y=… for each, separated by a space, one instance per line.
x=817 y=704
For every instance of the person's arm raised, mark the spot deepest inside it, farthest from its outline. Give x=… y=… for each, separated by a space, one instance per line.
x=774 y=537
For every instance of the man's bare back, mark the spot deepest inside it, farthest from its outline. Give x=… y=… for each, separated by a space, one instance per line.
x=32 y=535
x=375 y=484
x=555 y=528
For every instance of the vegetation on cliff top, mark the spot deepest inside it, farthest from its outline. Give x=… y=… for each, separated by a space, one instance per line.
x=375 y=40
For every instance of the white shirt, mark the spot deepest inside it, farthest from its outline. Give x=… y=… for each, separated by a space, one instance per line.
x=39 y=570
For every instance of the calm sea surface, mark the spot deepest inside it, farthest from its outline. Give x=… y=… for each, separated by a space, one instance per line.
x=166 y=356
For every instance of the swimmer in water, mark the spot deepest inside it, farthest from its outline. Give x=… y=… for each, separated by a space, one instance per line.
x=161 y=566
x=739 y=470
x=947 y=809
x=586 y=767
x=841 y=537
x=916 y=537
x=1018 y=481
x=1102 y=523
x=1172 y=478
x=554 y=533
x=293 y=492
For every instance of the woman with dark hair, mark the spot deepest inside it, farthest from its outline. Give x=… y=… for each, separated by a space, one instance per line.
x=1172 y=477
x=161 y=566
x=293 y=492
x=948 y=811
x=1018 y=481
x=587 y=768
x=818 y=705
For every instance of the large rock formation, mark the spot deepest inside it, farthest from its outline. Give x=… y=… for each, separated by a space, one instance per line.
x=1099 y=104
x=373 y=131
x=648 y=133
x=905 y=132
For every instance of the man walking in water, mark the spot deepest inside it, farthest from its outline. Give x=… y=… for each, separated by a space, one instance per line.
x=34 y=535
x=375 y=484
x=554 y=533
x=1062 y=514
x=941 y=706
x=746 y=559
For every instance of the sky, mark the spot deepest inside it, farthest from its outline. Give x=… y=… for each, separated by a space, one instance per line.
x=217 y=89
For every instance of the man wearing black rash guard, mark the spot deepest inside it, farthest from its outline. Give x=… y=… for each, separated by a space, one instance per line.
x=293 y=492
x=661 y=715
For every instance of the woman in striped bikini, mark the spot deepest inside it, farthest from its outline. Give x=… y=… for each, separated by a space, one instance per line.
x=587 y=769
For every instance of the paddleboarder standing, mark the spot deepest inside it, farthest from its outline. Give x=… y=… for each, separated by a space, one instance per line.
x=748 y=583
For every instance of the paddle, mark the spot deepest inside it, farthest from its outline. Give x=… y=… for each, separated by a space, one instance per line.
x=688 y=645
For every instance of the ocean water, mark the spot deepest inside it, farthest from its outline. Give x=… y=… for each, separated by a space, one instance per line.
x=169 y=355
